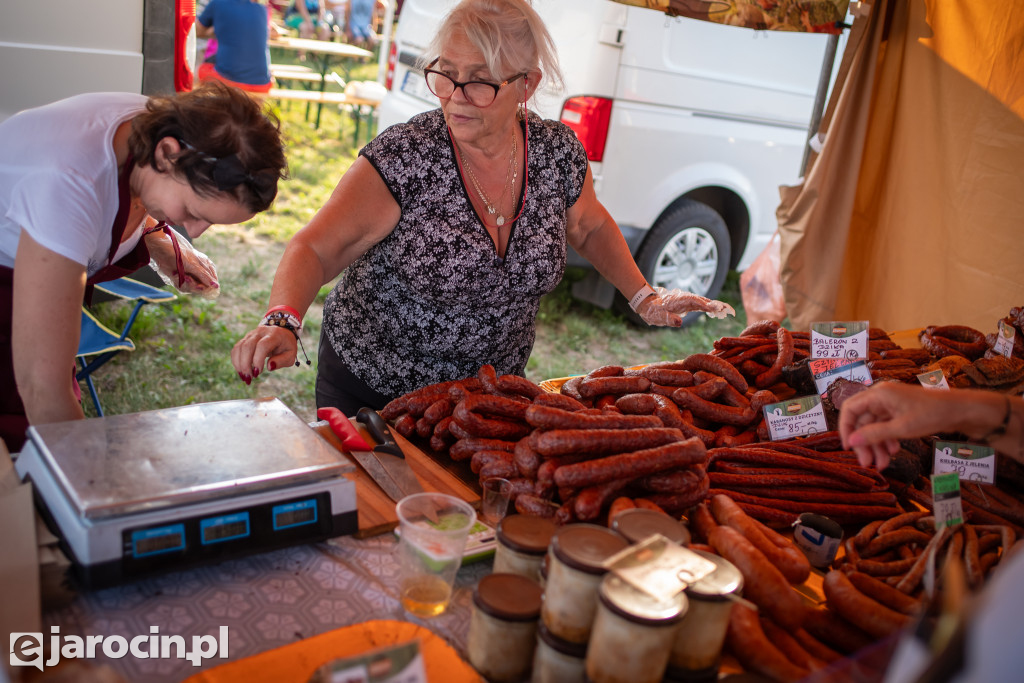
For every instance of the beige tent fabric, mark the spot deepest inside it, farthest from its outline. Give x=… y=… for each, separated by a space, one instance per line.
x=916 y=217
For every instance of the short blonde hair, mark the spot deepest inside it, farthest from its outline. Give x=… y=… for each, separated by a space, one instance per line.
x=510 y=35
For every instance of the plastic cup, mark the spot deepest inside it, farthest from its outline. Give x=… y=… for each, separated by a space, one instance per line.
x=432 y=536
x=495 y=494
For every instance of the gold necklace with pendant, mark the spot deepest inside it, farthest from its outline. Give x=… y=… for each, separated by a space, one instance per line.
x=511 y=175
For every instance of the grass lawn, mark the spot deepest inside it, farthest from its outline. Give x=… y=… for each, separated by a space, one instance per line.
x=183 y=348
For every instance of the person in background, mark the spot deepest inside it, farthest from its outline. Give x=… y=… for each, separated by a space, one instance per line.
x=88 y=186
x=309 y=18
x=242 y=28
x=359 y=19
x=450 y=228
x=872 y=422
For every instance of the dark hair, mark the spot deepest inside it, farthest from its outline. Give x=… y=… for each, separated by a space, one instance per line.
x=229 y=143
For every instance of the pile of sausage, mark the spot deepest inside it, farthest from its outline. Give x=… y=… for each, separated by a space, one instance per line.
x=896 y=551
x=565 y=459
x=776 y=481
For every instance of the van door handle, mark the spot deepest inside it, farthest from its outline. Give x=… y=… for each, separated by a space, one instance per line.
x=610 y=34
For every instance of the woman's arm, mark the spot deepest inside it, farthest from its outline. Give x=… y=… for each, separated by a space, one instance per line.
x=359 y=214
x=48 y=291
x=594 y=234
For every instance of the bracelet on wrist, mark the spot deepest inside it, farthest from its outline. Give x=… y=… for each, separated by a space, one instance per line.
x=289 y=321
x=286 y=309
x=639 y=297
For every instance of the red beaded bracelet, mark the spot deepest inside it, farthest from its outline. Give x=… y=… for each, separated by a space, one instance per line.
x=285 y=308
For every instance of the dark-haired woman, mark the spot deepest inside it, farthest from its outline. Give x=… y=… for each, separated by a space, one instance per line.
x=87 y=187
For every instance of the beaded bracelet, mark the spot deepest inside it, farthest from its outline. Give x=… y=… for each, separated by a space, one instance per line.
x=288 y=318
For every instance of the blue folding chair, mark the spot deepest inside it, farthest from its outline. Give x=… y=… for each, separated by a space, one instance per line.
x=100 y=342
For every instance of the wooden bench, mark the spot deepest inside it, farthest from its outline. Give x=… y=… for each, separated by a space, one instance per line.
x=360 y=108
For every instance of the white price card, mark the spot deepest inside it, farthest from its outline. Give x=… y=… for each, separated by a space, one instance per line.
x=933 y=380
x=828 y=370
x=946 y=500
x=795 y=417
x=971 y=462
x=659 y=567
x=1004 y=340
x=839 y=339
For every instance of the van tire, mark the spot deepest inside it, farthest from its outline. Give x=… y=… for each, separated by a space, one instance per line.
x=701 y=266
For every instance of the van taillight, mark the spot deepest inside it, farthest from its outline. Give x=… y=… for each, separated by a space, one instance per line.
x=589 y=117
x=389 y=78
x=184 y=44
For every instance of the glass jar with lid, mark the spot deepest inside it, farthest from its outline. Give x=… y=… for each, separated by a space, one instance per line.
x=556 y=660
x=636 y=524
x=503 y=626
x=575 y=570
x=522 y=542
x=698 y=644
x=633 y=633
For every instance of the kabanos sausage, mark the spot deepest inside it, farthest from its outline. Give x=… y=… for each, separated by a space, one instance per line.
x=668 y=376
x=864 y=612
x=544 y=417
x=563 y=401
x=747 y=641
x=713 y=364
x=637 y=404
x=514 y=384
x=884 y=593
x=463 y=449
x=763 y=583
x=715 y=412
x=779 y=550
x=601 y=441
x=631 y=465
x=773 y=375
x=591 y=387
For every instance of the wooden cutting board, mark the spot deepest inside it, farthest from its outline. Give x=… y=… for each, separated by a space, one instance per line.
x=376 y=510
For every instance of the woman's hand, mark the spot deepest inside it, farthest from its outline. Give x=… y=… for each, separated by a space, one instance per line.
x=274 y=346
x=200 y=273
x=667 y=307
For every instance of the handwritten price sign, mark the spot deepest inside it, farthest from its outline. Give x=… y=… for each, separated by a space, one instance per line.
x=946 y=500
x=795 y=417
x=970 y=462
x=847 y=340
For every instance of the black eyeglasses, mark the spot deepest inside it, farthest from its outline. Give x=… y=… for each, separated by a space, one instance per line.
x=479 y=93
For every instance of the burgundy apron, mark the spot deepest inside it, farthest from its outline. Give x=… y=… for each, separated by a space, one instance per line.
x=13 y=422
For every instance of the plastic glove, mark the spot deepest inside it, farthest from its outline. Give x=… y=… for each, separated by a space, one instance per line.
x=200 y=273
x=667 y=307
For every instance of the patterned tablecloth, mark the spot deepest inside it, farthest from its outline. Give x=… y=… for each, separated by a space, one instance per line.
x=266 y=601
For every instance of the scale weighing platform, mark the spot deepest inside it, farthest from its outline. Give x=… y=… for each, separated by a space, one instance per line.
x=130 y=495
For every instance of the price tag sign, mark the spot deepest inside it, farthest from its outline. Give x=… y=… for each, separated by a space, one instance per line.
x=969 y=461
x=933 y=380
x=946 y=500
x=795 y=417
x=828 y=370
x=659 y=567
x=840 y=340
x=1004 y=340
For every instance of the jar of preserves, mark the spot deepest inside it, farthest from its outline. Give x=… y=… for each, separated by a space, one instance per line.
x=556 y=660
x=503 y=626
x=522 y=542
x=637 y=524
x=633 y=634
x=575 y=571
x=698 y=644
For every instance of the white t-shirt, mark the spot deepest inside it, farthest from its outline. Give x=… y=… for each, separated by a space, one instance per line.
x=58 y=176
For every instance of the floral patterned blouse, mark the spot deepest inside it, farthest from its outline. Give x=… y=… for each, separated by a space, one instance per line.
x=432 y=302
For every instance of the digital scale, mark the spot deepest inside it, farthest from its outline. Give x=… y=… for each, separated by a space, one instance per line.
x=131 y=495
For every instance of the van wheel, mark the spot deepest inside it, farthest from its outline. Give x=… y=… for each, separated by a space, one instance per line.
x=687 y=249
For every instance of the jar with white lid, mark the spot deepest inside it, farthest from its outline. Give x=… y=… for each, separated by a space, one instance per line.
x=633 y=634
x=698 y=644
x=636 y=524
x=522 y=542
x=575 y=571
x=503 y=626
x=556 y=660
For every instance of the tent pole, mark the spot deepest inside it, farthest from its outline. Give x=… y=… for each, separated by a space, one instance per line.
x=819 y=99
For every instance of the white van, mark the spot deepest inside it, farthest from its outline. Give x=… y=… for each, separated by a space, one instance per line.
x=690 y=127
x=52 y=49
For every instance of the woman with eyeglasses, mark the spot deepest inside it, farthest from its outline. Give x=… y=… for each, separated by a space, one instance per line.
x=88 y=186
x=450 y=228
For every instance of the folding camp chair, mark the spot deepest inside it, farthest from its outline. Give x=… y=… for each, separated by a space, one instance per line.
x=98 y=341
